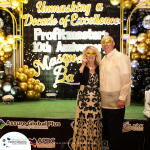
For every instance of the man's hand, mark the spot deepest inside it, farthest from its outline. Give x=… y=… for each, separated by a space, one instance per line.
x=120 y=104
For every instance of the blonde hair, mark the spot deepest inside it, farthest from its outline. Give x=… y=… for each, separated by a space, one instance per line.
x=98 y=54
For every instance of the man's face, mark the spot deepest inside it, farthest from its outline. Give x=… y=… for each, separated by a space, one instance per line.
x=107 y=44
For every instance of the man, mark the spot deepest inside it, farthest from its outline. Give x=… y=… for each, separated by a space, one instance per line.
x=115 y=87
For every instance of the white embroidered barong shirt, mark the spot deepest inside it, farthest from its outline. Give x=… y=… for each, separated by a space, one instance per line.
x=115 y=79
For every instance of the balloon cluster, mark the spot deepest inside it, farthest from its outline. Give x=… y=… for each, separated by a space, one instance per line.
x=126 y=3
x=32 y=87
x=140 y=46
x=15 y=4
x=141 y=80
x=9 y=85
x=6 y=38
x=6 y=46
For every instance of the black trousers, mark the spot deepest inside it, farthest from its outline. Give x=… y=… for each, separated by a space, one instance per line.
x=112 y=126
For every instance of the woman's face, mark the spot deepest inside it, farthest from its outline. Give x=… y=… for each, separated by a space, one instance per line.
x=90 y=54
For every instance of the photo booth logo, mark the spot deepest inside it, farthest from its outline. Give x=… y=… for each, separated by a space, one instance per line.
x=14 y=141
x=2 y=123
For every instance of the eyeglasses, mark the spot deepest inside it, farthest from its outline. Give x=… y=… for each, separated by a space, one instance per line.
x=90 y=53
x=106 y=42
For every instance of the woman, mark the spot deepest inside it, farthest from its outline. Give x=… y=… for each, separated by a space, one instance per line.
x=88 y=130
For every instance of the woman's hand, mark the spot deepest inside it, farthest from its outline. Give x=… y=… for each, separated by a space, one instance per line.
x=84 y=61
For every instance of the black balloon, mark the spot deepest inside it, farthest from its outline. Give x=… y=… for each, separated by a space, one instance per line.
x=8 y=30
x=142 y=63
x=146 y=81
x=133 y=93
x=140 y=77
x=1 y=64
x=2 y=74
x=125 y=17
x=134 y=29
x=147 y=87
x=7 y=19
x=137 y=70
x=135 y=84
x=148 y=62
x=142 y=93
x=7 y=87
x=126 y=11
x=139 y=24
x=9 y=78
x=138 y=98
x=15 y=78
x=21 y=97
x=1 y=93
x=15 y=83
x=3 y=13
x=134 y=76
x=1 y=83
x=15 y=90
x=141 y=71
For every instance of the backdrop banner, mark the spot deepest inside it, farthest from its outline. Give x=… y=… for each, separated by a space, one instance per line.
x=55 y=34
x=51 y=133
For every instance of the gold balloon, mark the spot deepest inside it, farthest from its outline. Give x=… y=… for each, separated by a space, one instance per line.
x=37 y=88
x=30 y=94
x=148 y=33
x=127 y=4
x=148 y=54
x=17 y=74
x=7 y=48
x=133 y=39
x=31 y=72
x=134 y=2
x=13 y=7
x=142 y=48
x=15 y=3
x=9 y=54
x=131 y=47
x=23 y=86
x=134 y=50
x=37 y=81
x=1 y=53
x=147 y=41
x=26 y=71
x=22 y=77
x=2 y=36
x=135 y=56
x=148 y=57
x=10 y=39
x=8 y=0
x=37 y=96
x=15 y=10
x=31 y=81
x=20 y=70
x=6 y=59
x=42 y=87
x=25 y=1
x=5 y=56
x=4 y=42
x=25 y=67
x=115 y=2
x=142 y=37
x=136 y=44
x=143 y=57
x=1 y=46
x=30 y=86
x=2 y=59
